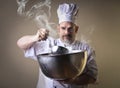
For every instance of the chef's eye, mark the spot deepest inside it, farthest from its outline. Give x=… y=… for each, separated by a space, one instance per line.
x=70 y=29
x=63 y=28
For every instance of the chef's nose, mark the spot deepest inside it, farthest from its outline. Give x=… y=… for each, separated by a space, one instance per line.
x=66 y=31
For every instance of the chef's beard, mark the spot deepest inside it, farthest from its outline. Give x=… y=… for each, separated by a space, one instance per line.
x=67 y=39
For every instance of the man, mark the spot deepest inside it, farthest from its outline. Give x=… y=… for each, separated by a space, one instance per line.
x=67 y=29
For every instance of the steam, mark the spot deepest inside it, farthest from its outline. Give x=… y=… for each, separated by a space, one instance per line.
x=39 y=12
x=85 y=37
x=21 y=6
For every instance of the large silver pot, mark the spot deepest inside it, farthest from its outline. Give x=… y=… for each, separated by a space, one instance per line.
x=63 y=66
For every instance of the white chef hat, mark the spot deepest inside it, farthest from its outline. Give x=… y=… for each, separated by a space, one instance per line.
x=67 y=12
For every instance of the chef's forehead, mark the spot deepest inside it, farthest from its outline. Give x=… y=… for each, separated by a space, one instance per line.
x=66 y=23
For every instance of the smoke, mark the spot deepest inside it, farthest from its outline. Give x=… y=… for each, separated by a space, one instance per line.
x=86 y=35
x=39 y=12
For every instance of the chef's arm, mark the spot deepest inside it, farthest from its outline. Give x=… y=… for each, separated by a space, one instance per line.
x=84 y=79
x=27 y=41
x=90 y=76
x=87 y=77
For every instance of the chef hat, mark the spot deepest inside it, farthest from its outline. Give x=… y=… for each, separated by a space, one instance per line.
x=67 y=12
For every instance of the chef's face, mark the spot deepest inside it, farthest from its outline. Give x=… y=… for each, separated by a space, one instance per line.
x=67 y=32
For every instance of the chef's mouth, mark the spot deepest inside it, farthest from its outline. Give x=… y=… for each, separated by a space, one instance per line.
x=69 y=37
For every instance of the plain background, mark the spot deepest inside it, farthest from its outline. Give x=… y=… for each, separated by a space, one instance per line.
x=102 y=17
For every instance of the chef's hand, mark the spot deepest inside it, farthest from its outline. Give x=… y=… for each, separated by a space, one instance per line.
x=41 y=34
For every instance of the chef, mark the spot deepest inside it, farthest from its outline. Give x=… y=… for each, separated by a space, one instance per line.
x=39 y=43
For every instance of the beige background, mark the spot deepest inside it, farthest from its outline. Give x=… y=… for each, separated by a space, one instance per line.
x=101 y=16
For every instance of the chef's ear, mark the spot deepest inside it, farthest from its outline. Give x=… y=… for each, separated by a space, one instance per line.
x=76 y=28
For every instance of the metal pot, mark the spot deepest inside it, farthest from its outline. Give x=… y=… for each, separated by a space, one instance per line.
x=63 y=66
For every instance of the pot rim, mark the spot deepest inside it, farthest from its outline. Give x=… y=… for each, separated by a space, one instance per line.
x=69 y=53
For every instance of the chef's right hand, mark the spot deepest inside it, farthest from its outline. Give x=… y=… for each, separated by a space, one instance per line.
x=41 y=34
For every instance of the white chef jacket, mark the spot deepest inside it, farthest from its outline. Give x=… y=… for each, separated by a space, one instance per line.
x=44 y=46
